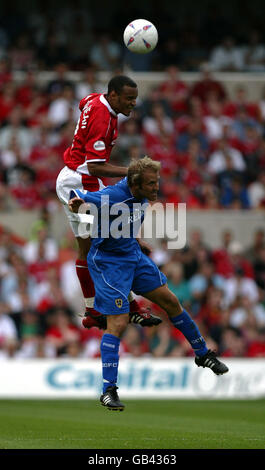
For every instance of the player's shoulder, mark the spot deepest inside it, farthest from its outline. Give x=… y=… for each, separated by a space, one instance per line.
x=88 y=100
x=122 y=186
x=97 y=104
x=94 y=112
x=119 y=192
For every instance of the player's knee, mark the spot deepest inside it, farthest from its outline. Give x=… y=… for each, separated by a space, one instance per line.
x=116 y=325
x=83 y=247
x=172 y=305
x=82 y=254
x=122 y=324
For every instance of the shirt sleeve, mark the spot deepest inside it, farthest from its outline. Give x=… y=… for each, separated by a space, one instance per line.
x=110 y=195
x=90 y=197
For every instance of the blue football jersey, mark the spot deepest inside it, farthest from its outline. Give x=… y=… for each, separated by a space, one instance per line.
x=118 y=216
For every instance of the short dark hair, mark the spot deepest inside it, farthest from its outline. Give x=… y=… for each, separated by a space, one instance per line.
x=117 y=83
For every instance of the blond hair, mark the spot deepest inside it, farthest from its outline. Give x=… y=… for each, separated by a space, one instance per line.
x=138 y=167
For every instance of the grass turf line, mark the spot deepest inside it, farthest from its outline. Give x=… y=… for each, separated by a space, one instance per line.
x=144 y=424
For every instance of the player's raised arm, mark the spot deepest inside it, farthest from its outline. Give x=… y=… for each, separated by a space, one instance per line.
x=102 y=169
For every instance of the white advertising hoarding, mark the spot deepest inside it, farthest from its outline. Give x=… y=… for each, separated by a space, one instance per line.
x=138 y=378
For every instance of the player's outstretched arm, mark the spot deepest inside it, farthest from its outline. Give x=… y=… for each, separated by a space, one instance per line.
x=106 y=169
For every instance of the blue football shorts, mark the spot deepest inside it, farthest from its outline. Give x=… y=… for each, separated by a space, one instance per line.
x=114 y=276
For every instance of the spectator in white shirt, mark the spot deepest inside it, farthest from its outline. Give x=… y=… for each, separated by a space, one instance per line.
x=24 y=136
x=8 y=333
x=245 y=311
x=227 y=57
x=215 y=122
x=88 y=84
x=254 y=53
x=31 y=249
x=64 y=108
x=239 y=285
x=225 y=156
x=256 y=191
x=158 y=123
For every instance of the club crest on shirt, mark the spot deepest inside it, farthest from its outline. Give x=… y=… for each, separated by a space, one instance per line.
x=118 y=303
x=99 y=145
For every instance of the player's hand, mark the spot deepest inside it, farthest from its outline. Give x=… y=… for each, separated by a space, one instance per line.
x=75 y=203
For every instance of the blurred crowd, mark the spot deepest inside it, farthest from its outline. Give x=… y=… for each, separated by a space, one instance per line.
x=77 y=33
x=40 y=298
x=211 y=143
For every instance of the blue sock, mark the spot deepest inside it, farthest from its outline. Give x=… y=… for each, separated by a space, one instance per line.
x=109 y=348
x=189 y=329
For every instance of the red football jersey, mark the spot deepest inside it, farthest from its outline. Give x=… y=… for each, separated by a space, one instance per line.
x=95 y=135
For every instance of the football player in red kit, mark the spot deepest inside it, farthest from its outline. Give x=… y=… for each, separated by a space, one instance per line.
x=86 y=161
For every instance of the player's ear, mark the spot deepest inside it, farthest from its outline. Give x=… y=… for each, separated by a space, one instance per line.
x=113 y=94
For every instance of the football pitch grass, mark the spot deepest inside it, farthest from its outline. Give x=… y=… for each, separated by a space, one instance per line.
x=144 y=424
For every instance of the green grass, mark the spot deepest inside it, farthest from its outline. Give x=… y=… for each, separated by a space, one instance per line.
x=150 y=424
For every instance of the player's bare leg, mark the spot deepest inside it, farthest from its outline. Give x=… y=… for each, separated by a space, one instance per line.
x=163 y=297
x=117 y=324
x=92 y=317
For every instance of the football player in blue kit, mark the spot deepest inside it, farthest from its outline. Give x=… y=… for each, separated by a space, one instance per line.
x=117 y=266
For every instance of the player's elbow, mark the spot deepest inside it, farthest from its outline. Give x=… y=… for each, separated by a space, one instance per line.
x=96 y=169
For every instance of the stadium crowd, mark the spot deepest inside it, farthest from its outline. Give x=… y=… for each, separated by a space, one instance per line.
x=77 y=33
x=211 y=145
x=223 y=289
x=212 y=149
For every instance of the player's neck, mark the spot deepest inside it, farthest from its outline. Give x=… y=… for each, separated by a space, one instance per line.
x=135 y=193
x=109 y=100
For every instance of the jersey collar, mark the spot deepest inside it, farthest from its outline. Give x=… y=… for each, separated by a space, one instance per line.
x=106 y=103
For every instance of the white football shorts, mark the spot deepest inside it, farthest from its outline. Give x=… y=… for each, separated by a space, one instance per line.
x=69 y=179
